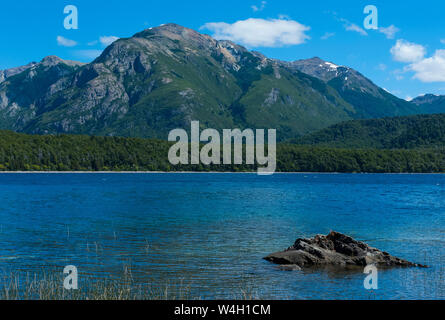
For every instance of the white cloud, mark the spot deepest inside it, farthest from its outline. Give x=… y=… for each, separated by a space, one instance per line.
x=390 y=31
x=107 y=40
x=425 y=69
x=259 y=8
x=64 y=42
x=404 y=51
x=430 y=69
x=442 y=41
x=327 y=35
x=356 y=28
x=260 y=33
x=349 y=26
x=409 y=98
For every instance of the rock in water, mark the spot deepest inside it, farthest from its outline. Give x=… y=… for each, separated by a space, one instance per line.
x=335 y=249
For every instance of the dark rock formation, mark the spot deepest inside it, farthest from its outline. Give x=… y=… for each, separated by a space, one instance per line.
x=335 y=249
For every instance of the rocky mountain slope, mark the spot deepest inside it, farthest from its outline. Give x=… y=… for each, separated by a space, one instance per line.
x=431 y=103
x=26 y=91
x=369 y=100
x=4 y=74
x=164 y=77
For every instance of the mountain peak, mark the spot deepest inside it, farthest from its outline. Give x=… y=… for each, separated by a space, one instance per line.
x=318 y=68
x=431 y=103
x=428 y=95
x=314 y=60
x=317 y=62
x=169 y=27
x=4 y=74
x=170 y=30
x=172 y=26
x=51 y=61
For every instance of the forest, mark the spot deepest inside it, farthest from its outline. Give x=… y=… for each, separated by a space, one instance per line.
x=22 y=152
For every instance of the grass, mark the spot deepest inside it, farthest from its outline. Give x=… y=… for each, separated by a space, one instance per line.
x=49 y=286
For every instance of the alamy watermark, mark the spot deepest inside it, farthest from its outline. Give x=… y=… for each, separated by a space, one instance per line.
x=71 y=280
x=371 y=281
x=371 y=21
x=210 y=153
x=71 y=21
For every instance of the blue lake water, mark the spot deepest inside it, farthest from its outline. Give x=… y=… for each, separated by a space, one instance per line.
x=211 y=231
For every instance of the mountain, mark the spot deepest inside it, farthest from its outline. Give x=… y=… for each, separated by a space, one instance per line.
x=316 y=67
x=369 y=100
x=419 y=131
x=48 y=62
x=430 y=103
x=164 y=77
x=4 y=74
x=26 y=91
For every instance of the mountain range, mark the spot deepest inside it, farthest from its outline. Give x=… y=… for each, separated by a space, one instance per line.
x=162 y=78
x=430 y=103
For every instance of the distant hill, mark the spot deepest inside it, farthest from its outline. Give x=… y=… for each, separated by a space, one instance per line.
x=164 y=77
x=420 y=131
x=430 y=103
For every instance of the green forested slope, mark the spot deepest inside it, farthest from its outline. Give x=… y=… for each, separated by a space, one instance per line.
x=422 y=131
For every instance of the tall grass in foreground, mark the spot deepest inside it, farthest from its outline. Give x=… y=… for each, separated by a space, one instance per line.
x=49 y=286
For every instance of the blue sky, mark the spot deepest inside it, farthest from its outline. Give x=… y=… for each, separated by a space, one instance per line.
x=408 y=62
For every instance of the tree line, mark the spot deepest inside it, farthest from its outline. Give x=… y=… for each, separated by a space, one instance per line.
x=21 y=152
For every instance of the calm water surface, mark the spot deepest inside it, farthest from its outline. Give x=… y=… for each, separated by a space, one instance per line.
x=211 y=231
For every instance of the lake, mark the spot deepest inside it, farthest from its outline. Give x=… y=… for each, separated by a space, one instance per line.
x=211 y=231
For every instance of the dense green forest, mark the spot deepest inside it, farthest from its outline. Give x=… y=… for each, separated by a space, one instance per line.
x=21 y=152
x=420 y=131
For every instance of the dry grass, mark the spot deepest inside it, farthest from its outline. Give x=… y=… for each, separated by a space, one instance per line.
x=49 y=286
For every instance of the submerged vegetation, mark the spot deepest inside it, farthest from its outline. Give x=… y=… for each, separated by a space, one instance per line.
x=21 y=152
